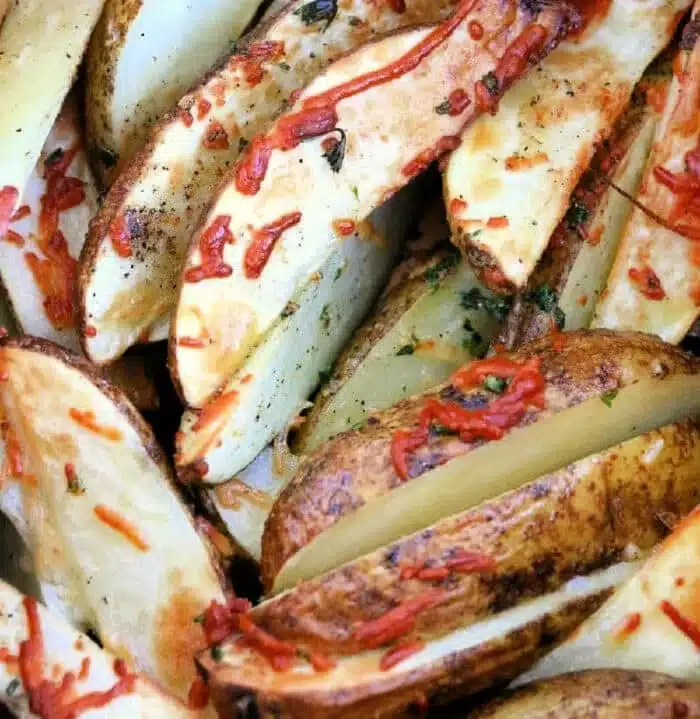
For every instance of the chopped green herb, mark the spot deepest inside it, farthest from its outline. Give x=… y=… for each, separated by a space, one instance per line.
x=443 y=108
x=217 y=654
x=324 y=375
x=54 y=157
x=289 y=309
x=560 y=318
x=496 y=306
x=544 y=297
x=338 y=274
x=336 y=153
x=440 y=430
x=577 y=214
x=474 y=234
x=233 y=47
x=355 y=192
x=406 y=350
x=354 y=21
x=284 y=66
x=75 y=487
x=199 y=619
x=434 y=275
x=608 y=397
x=357 y=425
x=495 y=384
x=318 y=11
x=12 y=688
x=491 y=83
x=325 y=316
x=473 y=342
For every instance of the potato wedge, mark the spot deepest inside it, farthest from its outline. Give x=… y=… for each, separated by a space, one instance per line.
x=142 y=59
x=41 y=45
x=604 y=694
x=517 y=552
x=543 y=137
x=91 y=481
x=573 y=270
x=102 y=688
x=349 y=498
x=166 y=188
x=651 y=623
x=654 y=283
x=417 y=335
x=354 y=155
x=218 y=441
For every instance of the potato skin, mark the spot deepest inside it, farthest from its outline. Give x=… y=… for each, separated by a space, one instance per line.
x=603 y=694
x=355 y=467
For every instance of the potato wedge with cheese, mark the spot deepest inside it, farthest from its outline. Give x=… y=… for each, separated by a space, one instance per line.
x=359 y=132
x=41 y=45
x=408 y=466
x=604 y=694
x=654 y=285
x=572 y=272
x=94 y=501
x=222 y=438
x=432 y=317
x=651 y=623
x=140 y=63
x=162 y=193
x=469 y=582
x=544 y=135
x=40 y=652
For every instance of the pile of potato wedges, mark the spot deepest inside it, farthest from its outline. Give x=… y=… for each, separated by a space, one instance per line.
x=348 y=359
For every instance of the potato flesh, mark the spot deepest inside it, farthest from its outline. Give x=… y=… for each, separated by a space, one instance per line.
x=656 y=644
x=174 y=570
x=288 y=365
x=647 y=244
x=66 y=648
x=555 y=117
x=383 y=378
x=178 y=173
x=494 y=468
x=236 y=312
x=41 y=45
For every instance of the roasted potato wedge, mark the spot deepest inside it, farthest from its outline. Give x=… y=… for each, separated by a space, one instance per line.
x=654 y=284
x=222 y=438
x=92 y=492
x=483 y=574
x=651 y=623
x=543 y=137
x=605 y=694
x=570 y=276
x=38 y=647
x=141 y=63
x=376 y=108
x=432 y=318
x=41 y=45
x=164 y=190
x=351 y=496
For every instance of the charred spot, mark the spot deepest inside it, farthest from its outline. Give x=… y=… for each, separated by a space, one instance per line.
x=533 y=7
x=475 y=400
x=547 y=639
x=537 y=490
x=690 y=35
x=392 y=556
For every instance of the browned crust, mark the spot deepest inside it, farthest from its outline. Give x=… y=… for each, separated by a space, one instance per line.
x=460 y=674
x=604 y=694
x=526 y=321
x=560 y=19
x=355 y=467
x=115 y=395
x=613 y=502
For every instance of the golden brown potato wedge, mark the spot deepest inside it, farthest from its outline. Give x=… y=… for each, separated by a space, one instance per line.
x=418 y=334
x=349 y=497
x=369 y=125
x=654 y=285
x=651 y=623
x=543 y=137
x=564 y=288
x=482 y=572
x=604 y=694
x=166 y=188
x=31 y=636
x=93 y=496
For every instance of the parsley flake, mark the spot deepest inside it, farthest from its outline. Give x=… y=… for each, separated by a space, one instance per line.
x=495 y=384
x=607 y=397
x=318 y=11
